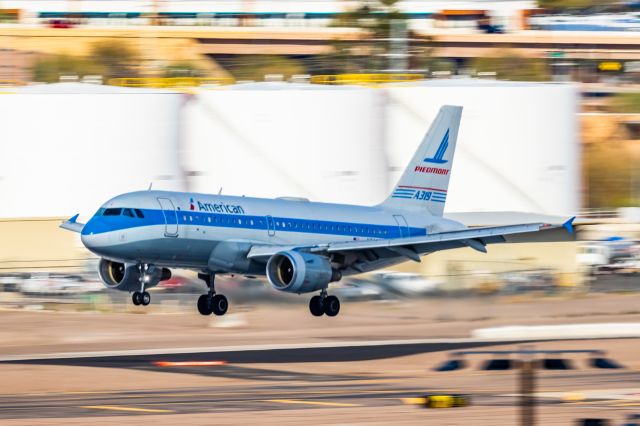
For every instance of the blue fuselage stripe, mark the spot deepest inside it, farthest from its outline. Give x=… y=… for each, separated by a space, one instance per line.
x=154 y=217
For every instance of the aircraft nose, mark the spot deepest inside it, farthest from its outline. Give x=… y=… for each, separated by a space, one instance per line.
x=93 y=233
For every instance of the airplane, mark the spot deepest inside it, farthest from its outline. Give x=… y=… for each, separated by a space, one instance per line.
x=300 y=246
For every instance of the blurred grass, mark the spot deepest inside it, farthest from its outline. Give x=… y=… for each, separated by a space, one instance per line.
x=625 y=103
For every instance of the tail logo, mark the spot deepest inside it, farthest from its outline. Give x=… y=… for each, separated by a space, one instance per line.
x=437 y=157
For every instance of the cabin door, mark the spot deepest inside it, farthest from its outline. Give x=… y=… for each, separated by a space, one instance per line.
x=170 y=217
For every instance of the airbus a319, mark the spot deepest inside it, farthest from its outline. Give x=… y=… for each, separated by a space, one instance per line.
x=300 y=246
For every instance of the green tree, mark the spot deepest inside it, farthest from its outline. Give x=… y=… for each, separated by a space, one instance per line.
x=183 y=69
x=116 y=58
x=50 y=68
x=255 y=67
x=509 y=65
x=378 y=18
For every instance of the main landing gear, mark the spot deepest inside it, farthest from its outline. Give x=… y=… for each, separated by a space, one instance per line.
x=211 y=302
x=324 y=305
x=141 y=297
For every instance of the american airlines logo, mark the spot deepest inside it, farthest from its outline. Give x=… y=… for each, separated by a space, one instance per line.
x=432 y=170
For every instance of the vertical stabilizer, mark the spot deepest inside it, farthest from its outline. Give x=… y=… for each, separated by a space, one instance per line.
x=425 y=181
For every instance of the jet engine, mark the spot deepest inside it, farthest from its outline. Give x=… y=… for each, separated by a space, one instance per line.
x=126 y=276
x=300 y=272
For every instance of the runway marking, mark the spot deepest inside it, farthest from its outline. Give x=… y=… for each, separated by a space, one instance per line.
x=297 y=401
x=119 y=408
x=413 y=401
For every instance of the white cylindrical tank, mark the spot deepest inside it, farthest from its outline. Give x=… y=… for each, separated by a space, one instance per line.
x=69 y=147
x=281 y=139
x=518 y=147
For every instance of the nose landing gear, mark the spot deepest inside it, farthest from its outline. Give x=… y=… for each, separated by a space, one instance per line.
x=141 y=297
x=211 y=302
x=324 y=305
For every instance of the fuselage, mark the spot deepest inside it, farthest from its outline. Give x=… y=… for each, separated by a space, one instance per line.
x=186 y=230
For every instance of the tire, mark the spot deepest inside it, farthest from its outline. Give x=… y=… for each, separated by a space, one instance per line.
x=136 y=298
x=219 y=304
x=203 y=305
x=315 y=306
x=331 y=306
x=145 y=298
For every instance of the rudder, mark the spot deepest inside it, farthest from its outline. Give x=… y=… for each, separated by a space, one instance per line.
x=425 y=181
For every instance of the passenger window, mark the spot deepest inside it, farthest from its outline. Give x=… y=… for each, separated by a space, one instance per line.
x=209 y=219
x=139 y=213
x=112 y=212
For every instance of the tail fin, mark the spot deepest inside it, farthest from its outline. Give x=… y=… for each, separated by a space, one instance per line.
x=425 y=181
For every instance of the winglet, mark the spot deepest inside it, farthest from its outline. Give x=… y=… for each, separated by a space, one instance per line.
x=72 y=224
x=568 y=225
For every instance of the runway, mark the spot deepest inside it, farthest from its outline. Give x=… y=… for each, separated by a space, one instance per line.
x=280 y=388
x=353 y=379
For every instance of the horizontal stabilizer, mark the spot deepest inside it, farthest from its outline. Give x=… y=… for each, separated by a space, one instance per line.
x=72 y=224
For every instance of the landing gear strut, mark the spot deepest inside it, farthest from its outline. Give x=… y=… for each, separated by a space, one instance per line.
x=141 y=297
x=323 y=304
x=211 y=302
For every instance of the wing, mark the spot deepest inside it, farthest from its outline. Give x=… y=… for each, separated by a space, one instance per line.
x=368 y=255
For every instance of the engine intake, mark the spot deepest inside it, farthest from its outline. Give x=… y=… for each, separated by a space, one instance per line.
x=126 y=276
x=300 y=272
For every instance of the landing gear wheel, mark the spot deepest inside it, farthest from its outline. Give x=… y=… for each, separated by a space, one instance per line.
x=136 y=298
x=331 y=306
x=203 y=305
x=145 y=298
x=316 y=306
x=219 y=304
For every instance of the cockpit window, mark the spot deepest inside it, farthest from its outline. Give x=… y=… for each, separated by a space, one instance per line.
x=100 y=211
x=112 y=212
x=139 y=213
x=127 y=212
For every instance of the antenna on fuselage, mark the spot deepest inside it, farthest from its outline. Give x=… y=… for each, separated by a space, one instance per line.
x=150 y=186
x=220 y=191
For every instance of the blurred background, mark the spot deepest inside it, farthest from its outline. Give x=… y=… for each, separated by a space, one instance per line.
x=324 y=99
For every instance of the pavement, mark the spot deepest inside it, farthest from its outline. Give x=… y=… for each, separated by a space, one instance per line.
x=282 y=367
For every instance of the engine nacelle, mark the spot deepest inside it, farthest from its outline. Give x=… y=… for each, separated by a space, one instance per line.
x=300 y=272
x=126 y=276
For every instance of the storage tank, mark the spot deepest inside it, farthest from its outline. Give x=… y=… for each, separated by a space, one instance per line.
x=69 y=147
x=324 y=143
x=518 y=146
